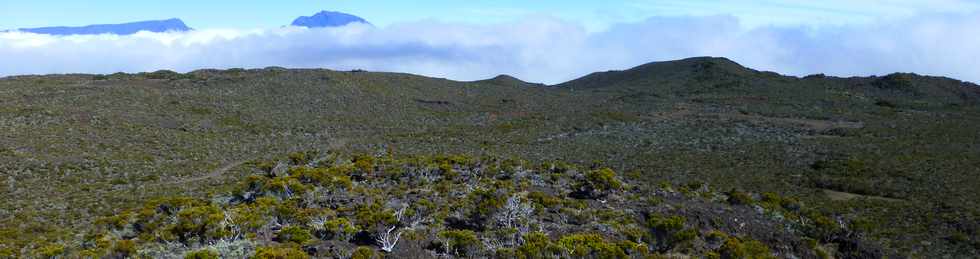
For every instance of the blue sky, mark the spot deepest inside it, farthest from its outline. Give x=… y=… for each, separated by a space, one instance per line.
x=591 y=13
x=545 y=41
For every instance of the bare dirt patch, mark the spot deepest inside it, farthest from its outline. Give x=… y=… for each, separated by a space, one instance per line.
x=846 y=196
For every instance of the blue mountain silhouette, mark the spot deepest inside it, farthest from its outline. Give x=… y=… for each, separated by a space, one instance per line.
x=327 y=19
x=120 y=29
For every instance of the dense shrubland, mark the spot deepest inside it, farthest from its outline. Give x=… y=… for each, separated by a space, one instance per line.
x=310 y=204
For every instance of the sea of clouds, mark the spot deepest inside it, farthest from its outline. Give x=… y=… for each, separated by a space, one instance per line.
x=538 y=49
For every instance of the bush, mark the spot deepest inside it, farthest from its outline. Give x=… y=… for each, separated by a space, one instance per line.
x=124 y=248
x=459 y=242
x=484 y=202
x=822 y=227
x=736 y=197
x=363 y=252
x=285 y=187
x=52 y=250
x=543 y=199
x=635 y=249
x=294 y=234
x=598 y=183
x=590 y=245
x=670 y=231
x=735 y=248
x=373 y=215
x=298 y=158
x=537 y=245
x=202 y=222
x=603 y=179
x=364 y=163
x=331 y=178
x=203 y=254
x=684 y=236
x=280 y=253
x=340 y=228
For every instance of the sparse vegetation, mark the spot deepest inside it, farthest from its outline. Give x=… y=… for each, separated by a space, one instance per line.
x=91 y=157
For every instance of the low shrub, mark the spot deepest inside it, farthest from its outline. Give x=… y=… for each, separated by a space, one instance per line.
x=537 y=245
x=670 y=231
x=459 y=242
x=590 y=246
x=284 y=252
x=203 y=254
x=293 y=234
x=596 y=184
x=751 y=249
x=363 y=252
x=736 y=197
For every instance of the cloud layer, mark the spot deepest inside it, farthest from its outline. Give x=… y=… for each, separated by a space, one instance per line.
x=540 y=49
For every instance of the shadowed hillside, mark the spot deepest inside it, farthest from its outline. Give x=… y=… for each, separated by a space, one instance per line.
x=890 y=161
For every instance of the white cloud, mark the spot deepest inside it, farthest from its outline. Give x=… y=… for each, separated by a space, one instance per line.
x=539 y=49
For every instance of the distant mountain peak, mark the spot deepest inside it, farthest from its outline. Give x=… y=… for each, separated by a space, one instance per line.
x=172 y=24
x=328 y=19
x=683 y=69
x=507 y=80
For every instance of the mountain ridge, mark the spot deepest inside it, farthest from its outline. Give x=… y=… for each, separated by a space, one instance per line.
x=166 y=25
x=328 y=19
x=508 y=80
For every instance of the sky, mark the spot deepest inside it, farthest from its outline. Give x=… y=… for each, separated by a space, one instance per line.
x=543 y=41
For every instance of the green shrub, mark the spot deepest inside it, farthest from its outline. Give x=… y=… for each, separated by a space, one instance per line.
x=506 y=252
x=752 y=249
x=284 y=252
x=459 y=242
x=666 y=224
x=543 y=199
x=538 y=245
x=821 y=226
x=634 y=249
x=294 y=234
x=203 y=254
x=684 y=236
x=201 y=222
x=364 y=163
x=736 y=197
x=597 y=183
x=716 y=236
x=332 y=178
x=633 y=232
x=285 y=186
x=299 y=158
x=590 y=245
x=374 y=214
x=340 y=228
x=670 y=231
x=484 y=203
x=603 y=179
x=51 y=250
x=363 y=252
x=124 y=248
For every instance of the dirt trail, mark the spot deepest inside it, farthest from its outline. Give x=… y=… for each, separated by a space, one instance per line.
x=844 y=196
x=215 y=173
